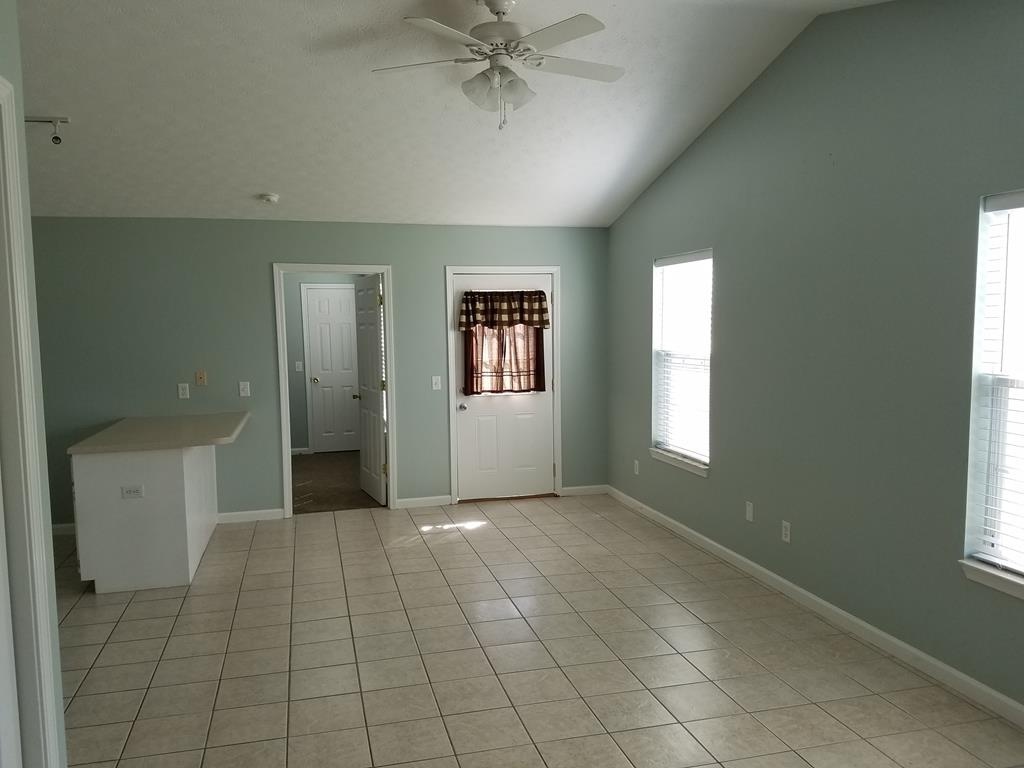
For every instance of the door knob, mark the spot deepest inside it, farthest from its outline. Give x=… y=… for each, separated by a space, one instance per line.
x=315 y=379
x=463 y=407
x=357 y=397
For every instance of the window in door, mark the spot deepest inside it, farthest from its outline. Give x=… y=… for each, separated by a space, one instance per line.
x=995 y=494
x=503 y=338
x=682 y=361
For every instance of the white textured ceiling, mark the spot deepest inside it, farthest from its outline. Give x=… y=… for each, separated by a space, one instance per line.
x=189 y=108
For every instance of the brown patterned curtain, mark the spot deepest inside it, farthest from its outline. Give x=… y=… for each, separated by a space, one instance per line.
x=503 y=336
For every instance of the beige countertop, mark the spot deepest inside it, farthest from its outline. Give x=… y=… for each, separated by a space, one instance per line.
x=160 y=433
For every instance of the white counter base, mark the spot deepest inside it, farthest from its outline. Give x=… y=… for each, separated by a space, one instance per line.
x=153 y=541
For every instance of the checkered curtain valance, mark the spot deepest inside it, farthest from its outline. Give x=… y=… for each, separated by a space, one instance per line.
x=503 y=309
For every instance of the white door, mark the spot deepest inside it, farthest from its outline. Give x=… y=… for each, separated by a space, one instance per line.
x=505 y=441
x=372 y=375
x=331 y=363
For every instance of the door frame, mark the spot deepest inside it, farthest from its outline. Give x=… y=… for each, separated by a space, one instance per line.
x=303 y=288
x=453 y=375
x=280 y=269
x=29 y=580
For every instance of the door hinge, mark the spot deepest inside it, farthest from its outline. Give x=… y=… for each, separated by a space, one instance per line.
x=384 y=468
x=554 y=470
x=383 y=385
x=380 y=299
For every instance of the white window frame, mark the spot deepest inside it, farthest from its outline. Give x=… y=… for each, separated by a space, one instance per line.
x=677 y=459
x=975 y=568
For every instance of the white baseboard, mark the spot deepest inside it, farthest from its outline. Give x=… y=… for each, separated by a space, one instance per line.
x=982 y=694
x=422 y=501
x=585 y=490
x=247 y=516
x=63 y=529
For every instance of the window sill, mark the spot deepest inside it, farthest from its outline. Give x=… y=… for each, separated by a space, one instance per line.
x=682 y=462
x=996 y=578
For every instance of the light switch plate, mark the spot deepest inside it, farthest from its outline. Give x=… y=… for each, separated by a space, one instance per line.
x=243 y=389
x=750 y=511
x=299 y=366
x=183 y=391
x=435 y=383
x=786 y=531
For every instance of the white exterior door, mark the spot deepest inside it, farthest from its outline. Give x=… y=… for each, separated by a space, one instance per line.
x=331 y=363
x=505 y=442
x=372 y=413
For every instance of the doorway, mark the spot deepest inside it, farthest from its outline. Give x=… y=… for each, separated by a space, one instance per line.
x=337 y=414
x=507 y=444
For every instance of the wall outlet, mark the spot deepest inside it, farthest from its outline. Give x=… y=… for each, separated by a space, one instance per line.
x=133 y=491
x=183 y=391
x=299 y=366
x=243 y=389
x=200 y=378
x=785 y=531
x=435 y=383
x=636 y=466
x=750 y=511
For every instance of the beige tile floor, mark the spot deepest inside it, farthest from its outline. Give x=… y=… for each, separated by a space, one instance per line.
x=566 y=633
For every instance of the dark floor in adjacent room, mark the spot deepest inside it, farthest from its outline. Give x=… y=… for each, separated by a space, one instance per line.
x=327 y=482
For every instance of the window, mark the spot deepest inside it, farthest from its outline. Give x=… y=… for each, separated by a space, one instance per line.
x=503 y=341
x=682 y=360
x=995 y=495
x=503 y=360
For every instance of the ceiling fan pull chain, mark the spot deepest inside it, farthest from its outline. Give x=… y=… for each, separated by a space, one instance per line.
x=501 y=106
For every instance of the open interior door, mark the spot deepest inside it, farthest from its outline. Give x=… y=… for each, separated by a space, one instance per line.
x=372 y=382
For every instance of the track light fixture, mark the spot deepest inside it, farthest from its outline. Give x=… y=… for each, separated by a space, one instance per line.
x=55 y=122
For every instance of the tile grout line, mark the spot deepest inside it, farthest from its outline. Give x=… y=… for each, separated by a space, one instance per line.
x=234 y=613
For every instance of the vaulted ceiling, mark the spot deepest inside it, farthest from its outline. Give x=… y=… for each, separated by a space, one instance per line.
x=191 y=108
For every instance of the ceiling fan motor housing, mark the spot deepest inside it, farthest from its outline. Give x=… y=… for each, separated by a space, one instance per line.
x=499 y=32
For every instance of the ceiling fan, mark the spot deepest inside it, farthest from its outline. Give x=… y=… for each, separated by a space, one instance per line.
x=502 y=43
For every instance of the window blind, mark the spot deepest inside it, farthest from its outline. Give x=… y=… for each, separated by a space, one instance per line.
x=995 y=495
x=681 y=371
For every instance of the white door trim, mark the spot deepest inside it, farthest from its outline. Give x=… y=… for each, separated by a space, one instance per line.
x=303 y=289
x=22 y=457
x=10 y=726
x=556 y=363
x=280 y=270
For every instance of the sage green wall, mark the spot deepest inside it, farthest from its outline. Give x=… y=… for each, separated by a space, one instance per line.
x=296 y=347
x=15 y=537
x=129 y=307
x=840 y=194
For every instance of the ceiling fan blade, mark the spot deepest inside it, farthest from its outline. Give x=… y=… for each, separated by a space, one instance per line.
x=558 y=65
x=571 y=29
x=440 y=29
x=427 y=64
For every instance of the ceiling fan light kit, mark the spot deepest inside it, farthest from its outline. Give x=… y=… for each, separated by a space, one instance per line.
x=501 y=44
